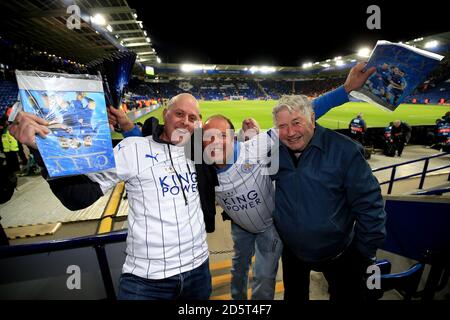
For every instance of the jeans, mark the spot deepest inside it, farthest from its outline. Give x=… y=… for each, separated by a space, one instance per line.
x=268 y=247
x=189 y=285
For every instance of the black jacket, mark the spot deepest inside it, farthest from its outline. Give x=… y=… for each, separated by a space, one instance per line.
x=79 y=192
x=402 y=132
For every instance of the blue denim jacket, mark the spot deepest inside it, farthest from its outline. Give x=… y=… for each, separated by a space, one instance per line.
x=329 y=199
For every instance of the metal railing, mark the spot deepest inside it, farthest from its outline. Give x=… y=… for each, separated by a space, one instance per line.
x=97 y=242
x=435 y=192
x=423 y=173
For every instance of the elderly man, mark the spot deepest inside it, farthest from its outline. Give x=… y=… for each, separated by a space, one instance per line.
x=328 y=210
x=167 y=254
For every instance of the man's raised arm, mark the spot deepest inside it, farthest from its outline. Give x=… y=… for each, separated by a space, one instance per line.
x=355 y=80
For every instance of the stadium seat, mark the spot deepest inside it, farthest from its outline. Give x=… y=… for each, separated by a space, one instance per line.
x=406 y=283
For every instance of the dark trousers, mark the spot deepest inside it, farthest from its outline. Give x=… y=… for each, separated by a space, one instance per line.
x=12 y=161
x=346 y=276
x=399 y=145
x=359 y=137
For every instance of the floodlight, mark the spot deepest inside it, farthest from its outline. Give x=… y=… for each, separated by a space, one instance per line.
x=364 y=52
x=431 y=44
x=98 y=19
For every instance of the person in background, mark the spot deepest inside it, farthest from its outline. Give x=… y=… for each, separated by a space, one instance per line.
x=401 y=133
x=389 y=147
x=442 y=132
x=10 y=149
x=358 y=128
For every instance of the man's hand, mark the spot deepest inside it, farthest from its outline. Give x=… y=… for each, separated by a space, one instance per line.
x=117 y=116
x=250 y=123
x=357 y=77
x=25 y=128
x=250 y=128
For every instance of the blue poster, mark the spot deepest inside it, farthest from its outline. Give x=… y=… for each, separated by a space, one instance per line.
x=74 y=107
x=399 y=70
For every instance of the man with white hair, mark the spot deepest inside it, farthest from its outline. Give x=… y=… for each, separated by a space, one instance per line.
x=329 y=210
x=167 y=254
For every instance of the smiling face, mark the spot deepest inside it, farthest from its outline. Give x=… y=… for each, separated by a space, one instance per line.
x=180 y=119
x=295 y=129
x=87 y=141
x=218 y=141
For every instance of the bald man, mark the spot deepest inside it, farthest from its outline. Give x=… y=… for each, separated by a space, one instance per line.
x=167 y=254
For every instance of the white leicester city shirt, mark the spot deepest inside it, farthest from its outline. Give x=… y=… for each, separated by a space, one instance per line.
x=245 y=191
x=166 y=231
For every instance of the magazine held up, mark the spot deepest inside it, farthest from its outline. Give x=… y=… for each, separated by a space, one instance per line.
x=79 y=141
x=400 y=68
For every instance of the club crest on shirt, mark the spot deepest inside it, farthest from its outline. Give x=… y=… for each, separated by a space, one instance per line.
x=230 y=193
x=247 y=167
x=169 y=170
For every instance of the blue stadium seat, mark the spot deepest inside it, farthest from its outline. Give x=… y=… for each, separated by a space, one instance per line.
x=8 y=95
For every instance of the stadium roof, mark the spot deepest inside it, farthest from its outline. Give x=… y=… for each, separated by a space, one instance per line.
x=334 y=66
x=43 y=25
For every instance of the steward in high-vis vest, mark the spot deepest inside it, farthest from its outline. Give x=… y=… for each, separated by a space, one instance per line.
x=10 y=149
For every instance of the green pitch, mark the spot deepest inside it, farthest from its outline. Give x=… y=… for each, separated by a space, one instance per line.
x=335 y=119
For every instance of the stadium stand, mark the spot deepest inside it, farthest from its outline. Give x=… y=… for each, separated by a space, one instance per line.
x=222 y=89
x=275 y=89
x=433 y=94
x=436 y=89
x=248 y=89
x=317 y=87
x=8 y=94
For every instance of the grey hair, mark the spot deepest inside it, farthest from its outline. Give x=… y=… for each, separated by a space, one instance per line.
x=293 y=103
